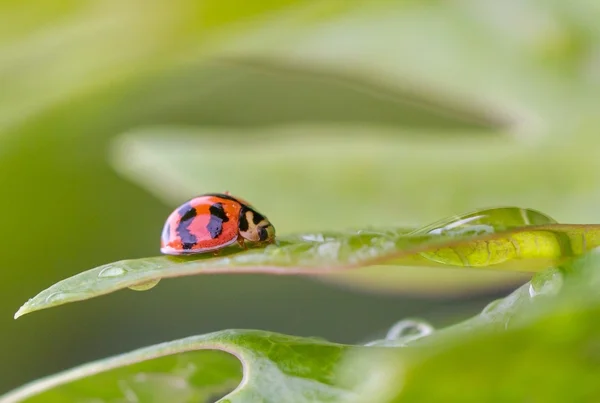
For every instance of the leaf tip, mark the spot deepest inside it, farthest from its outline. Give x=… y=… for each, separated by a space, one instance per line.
x=20 y=312
x=24 y=309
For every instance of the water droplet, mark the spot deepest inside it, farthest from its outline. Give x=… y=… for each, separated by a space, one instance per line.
x=409 y=328
x=403 y=332
x=111 y=271
x=376 y=343
x=329 y=250
x=313 y=238
x=532 y=291
x=492 y=307
x=547 y=283
x=469 y=224
x=145 y=285
x=56 y=296
x=485 y=221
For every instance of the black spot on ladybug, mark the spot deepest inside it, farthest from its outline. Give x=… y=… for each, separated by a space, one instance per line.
x=262 y=233
x=214 y=227
x=243 y=224
x=217 y=218
x=257 y=217
x=187 y=214
x=216 y=210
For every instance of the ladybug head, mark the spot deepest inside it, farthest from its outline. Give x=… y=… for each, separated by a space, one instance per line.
x=255 y=227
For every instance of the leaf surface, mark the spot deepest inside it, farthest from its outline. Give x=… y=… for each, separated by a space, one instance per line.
x=538 y=342
x=485 y=239
x=192 y=370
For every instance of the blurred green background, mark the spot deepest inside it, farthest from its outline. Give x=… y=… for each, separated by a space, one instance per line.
x=325 y=114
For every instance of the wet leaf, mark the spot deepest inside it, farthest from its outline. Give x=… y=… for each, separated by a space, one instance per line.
x=552 y=359
x=190 y=370
x=471 y=243
x=539 y=343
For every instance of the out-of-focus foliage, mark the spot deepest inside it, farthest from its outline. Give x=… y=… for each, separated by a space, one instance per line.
x=484 y=103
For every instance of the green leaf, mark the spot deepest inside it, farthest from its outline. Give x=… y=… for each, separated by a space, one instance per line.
x=189 y=370
x=540 y=343
x=553 y=359
x=484 y=239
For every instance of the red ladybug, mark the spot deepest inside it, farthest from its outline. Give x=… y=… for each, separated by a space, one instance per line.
x=211 y=222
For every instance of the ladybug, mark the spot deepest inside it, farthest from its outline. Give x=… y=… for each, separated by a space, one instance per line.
x=211 y=222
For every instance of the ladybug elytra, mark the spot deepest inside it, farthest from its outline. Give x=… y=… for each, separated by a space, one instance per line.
x=211 y=222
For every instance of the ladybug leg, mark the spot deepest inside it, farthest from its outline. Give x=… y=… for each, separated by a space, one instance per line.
x=217 y=252
x=227 y=193
x=241 y=242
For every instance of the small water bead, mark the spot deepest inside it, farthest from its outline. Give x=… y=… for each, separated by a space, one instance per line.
x=492 y=307
x=145 y=285
x=403 y=332
x=383 y=343
x=463 y=227
x=532 y=292
x=412 y=328
x=546 y=283
x=329 y=250
x=112 y=271
x=318 y=238
x=313 y=238
x=486 y=221
x=56 y=296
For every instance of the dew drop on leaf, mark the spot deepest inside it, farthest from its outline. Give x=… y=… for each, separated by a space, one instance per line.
x=144 y=286
x=56 y=296
x=403 y=332
x=492 y=307
x=547 y=283
x=111 y=271
x=412 y=328
x=486 y=221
